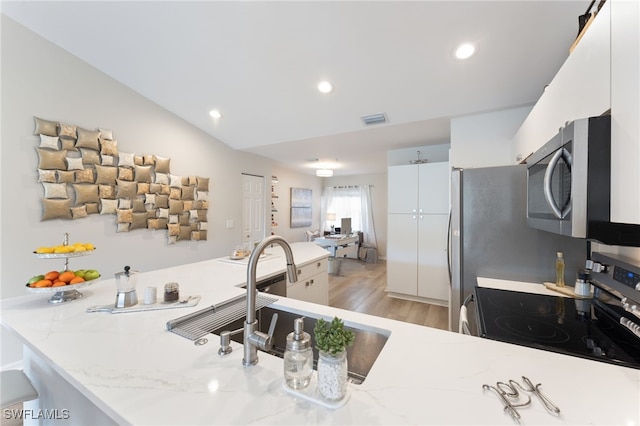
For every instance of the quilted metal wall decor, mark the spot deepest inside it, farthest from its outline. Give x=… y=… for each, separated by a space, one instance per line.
x=85 y=172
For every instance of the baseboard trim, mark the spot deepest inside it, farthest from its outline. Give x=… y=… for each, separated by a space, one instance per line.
x=436 y=302
x=17 y=365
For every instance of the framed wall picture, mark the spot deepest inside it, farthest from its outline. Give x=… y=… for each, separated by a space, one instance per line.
x=301 y=197
x=301 y=211
x=300 y=217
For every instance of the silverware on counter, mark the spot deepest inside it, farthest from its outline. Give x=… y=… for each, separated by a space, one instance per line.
x=509 y=394
x=548 y=404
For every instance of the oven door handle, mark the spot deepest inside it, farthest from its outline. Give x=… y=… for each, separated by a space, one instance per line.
x=548 y=174
x=463 y=326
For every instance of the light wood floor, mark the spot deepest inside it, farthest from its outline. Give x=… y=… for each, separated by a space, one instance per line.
x=360 y=287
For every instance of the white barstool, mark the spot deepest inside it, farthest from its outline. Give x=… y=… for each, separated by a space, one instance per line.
x=15 y=387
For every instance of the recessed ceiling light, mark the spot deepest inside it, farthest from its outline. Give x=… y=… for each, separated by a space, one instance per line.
x=464 y=51
x=215 y=113
x=325 y=87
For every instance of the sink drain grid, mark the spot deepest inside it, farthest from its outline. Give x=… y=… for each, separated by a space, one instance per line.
x=198 y=324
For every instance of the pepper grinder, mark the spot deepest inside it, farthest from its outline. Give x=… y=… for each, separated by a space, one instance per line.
x=298 y=357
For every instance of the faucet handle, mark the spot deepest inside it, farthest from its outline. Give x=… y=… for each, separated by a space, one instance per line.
x=272 y=328
x=262 y=340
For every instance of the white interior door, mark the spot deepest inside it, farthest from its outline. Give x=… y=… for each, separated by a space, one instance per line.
x=253 y=209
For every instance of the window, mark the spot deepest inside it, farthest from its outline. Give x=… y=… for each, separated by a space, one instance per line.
x=353 y=202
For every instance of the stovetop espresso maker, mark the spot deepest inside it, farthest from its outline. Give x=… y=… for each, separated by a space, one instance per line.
x=126 y=284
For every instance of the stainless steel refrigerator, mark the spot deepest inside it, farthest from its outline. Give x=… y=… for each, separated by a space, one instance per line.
x=489 y=236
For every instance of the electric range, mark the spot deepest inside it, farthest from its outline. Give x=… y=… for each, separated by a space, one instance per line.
x=604 y=328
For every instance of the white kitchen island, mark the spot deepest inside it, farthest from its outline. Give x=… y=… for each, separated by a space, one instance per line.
x=128 y=369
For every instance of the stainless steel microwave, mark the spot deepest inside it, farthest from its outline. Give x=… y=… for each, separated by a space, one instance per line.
x=569 y=179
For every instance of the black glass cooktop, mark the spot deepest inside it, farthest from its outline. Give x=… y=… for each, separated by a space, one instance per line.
x=584 y=328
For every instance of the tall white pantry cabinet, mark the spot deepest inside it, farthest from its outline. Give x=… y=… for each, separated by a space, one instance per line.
x=418 y=209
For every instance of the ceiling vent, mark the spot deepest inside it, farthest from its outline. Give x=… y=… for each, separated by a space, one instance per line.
x=374 y=119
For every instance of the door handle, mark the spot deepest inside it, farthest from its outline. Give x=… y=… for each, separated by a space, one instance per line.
x=548 y=174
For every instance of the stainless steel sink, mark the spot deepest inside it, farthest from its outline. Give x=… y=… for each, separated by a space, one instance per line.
x=360 y=356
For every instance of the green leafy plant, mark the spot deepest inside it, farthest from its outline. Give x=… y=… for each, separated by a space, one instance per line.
x=332 y=337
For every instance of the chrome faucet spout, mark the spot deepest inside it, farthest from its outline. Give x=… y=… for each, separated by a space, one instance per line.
x=255 y=339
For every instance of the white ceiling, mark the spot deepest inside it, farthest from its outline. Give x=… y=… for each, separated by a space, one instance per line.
x=259 y=64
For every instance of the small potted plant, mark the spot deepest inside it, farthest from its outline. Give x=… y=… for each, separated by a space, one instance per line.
x=332 y=340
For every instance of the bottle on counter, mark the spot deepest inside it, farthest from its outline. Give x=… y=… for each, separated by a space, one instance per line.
x=298 y=357
x=560 y=270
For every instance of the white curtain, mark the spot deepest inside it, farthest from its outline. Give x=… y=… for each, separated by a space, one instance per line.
x=353 y=202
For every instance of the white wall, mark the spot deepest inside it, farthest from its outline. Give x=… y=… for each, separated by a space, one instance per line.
x=378 y=183
x=484 y=140
x=40 y=79
x=286 y=180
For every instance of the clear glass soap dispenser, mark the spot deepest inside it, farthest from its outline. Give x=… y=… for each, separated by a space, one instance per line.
x=298 y=357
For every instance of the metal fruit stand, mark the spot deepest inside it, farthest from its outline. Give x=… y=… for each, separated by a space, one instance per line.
x=70 y=291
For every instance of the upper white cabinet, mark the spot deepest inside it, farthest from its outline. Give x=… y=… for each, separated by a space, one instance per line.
x=625 y=111
x=403 y=189
x=602 y=73
x=421 y=188
x=580 y=89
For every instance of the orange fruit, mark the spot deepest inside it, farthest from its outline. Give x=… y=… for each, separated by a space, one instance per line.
x=66 y=276
x=76 y=280
x=59 y=284
x=51 y=275
x=42 y=283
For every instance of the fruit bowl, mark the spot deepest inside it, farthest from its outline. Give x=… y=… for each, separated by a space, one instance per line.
x=65 y=293
x=63 y=255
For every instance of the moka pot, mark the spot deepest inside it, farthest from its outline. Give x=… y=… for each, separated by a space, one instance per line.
x=126 y=284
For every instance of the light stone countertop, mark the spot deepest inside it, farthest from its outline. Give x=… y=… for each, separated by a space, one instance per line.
x=129 y=367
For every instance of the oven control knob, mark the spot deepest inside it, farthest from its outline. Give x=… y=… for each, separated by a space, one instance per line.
x=596 y=267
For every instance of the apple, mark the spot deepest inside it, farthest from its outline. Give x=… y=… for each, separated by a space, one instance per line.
x=80 y=273
x=91 y=274
x=36 y=278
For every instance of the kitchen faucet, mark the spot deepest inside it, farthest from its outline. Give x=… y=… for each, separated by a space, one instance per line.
x=255 y=339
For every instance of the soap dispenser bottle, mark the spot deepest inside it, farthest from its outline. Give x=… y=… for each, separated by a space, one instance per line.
x=298 y=357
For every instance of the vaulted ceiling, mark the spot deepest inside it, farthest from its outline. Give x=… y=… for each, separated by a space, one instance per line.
x=259 y=63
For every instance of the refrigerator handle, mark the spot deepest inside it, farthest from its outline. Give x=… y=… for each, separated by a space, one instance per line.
x=449 y=249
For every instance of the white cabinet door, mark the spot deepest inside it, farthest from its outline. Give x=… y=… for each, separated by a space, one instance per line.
x=402 y=189
x=580 y=89
x=308 y=270
x=433 y=188
x=625 y=108
x=402 y=254
x=313 y=283
x=313 y=289
x=433 y=278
